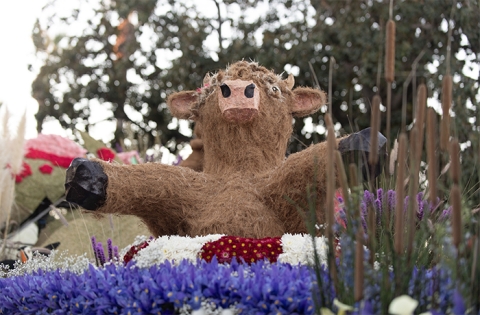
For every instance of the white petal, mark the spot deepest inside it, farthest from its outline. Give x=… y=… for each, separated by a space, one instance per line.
x=402 y=305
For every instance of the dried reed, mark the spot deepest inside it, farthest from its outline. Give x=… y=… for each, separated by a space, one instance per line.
x=400 y=194
x=375 y=125
x=390 y=51
x=359 y=268
x=446 y=104
x=331 y=147
x=456 y=202
x=420 y=119
x=455 y=161
x=431 y=154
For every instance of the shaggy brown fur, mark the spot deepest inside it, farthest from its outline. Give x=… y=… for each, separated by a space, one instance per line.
x=246 y=177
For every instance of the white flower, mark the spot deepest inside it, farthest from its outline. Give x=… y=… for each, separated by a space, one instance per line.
x=173 y=248
x=298 y=249
x=342 y=307
x=402 y=305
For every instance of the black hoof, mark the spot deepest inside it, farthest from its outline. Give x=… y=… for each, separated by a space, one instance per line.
x=356 y=149
x=86 y=184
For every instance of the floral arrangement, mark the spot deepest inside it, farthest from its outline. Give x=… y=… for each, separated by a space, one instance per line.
x=293 y=249
x=202 y=275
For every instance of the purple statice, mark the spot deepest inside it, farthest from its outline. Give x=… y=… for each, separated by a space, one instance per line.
x=368 y=198
x=446 y=214
x=116 y=256
x=110 y=249
x=421 y=206
x=259 y=288
x=100 y=253
x=391 y=197
x=380 y=195
x=94 y=247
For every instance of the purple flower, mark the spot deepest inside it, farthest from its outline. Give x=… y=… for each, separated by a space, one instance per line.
x=94 y=247
x=391 y=195
x=115 y=253
x=110 y=249
x=100 y=254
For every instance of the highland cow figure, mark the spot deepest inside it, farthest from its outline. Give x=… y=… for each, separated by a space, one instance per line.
x=246 y=116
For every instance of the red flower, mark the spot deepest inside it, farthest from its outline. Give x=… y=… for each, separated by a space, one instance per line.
x=46 y=169
x=248 y=249
x=134 y=250
x=25 y=172
x=106 y=154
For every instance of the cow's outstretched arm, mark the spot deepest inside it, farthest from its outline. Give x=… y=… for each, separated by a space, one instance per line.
x=162 y=195
x=307 y=170
x=287 y=187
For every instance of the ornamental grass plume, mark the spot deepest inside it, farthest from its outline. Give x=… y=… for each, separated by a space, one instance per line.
x=12 y=149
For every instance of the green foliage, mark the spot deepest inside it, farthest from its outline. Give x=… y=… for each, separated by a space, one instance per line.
x=174 y=44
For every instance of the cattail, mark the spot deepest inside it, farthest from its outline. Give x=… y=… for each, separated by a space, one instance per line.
x=373 y=156
x=420 y=119
x=446 y=103
x=400 y=194
x=390 y=52
x=331 y=147
x=455 y=161
x=414 y=177
x=456 y=203
x=431 y=154
x=359 y=272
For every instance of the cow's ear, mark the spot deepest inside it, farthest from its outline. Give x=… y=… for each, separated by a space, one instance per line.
x=180 y=103
x=290 y=81
x=307 y=101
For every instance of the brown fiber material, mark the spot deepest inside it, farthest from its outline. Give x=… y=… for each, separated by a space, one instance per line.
x=246 y=179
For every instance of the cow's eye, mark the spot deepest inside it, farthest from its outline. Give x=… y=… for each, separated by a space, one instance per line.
x=275 y=89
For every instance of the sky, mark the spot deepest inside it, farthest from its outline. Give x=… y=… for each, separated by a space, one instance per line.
x=16 y=23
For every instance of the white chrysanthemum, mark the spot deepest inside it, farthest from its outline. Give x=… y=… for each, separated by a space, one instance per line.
x=173 y=248
x=298 y=249
x=62 y=261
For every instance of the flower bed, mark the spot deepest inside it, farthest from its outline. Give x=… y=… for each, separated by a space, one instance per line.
x=218 y=274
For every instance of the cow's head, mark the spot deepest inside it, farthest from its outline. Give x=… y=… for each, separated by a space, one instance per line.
x=242 y=92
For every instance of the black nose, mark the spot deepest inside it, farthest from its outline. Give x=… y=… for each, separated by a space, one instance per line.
x=249 y=90
x=225 y=90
